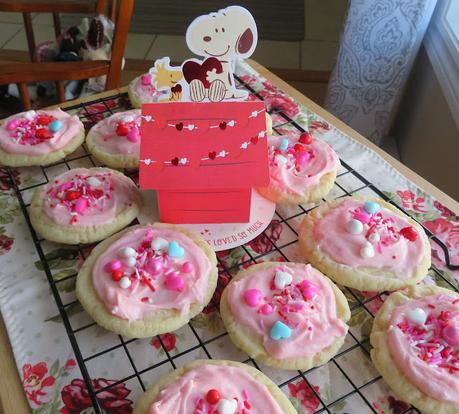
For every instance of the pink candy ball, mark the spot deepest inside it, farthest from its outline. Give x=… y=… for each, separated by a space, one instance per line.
x=302 y=157
x=175 y=282
x=133 y=135
x=308 y=289
x=81 y=205
x=154 y=266
x=266 y=309
x=450 y=334
x=145 y=79
x=252 y=297
x=113 y=265
x=14 y=123
x=64 y=186
x=187 y=267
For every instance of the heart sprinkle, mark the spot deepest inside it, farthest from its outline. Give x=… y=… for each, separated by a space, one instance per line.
x=282 y=279
x=280 y=331
x=252 y=297
x=175 y=250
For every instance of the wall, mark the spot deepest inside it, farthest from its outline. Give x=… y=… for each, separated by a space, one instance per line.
x=427 y=136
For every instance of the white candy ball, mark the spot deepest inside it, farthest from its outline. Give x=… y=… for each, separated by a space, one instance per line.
x=354 y=226
x=94 y=182
x=417 y=316
x=30 y=115
x=131 y=261
x=125 y=282
x=374 y=237
x=159 y=244
x=128 y=252
x=367 y=251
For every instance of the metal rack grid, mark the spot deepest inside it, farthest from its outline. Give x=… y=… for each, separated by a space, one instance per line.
x=357 y=389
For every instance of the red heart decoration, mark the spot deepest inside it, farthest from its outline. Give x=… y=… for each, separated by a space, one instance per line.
x=222 y=125
x=175 y=161
x=254 y=140
x=43 y=133
x=179 y=126
x=194 y=70
x=212 y=155
x=44 y=119
x=122 y=130
x=305 y=138
x=409 y=233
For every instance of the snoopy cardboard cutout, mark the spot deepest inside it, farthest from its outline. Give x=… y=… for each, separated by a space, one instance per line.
x=220 y=39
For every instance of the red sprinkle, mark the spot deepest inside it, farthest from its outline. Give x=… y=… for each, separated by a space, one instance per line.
x=409 y=233
x=43 y=133
x=213 y=396
x=305 y=138
x=117 y=275
x=122 y=130
x=44 y=119
x=72 y=195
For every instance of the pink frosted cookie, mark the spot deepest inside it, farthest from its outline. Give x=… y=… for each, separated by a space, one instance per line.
x=214 y=387
x=415 y=340
x=365 y=243
x=115 y=141
x=84 y=205
x=141 y=90
x=147 y=280
x=285 y=315
x=302 y=169
x=39 y=137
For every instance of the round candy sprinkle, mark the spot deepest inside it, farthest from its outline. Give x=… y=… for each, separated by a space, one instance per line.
x=117 y=275
x=125 y=282
x=354 y=226
x=367 y=250
x=266 y=309
x=12 y=124
x=113 y=265
x=81 y=205
x=374 y=237
x=154 y=266
x=187 y=267
x=252 y=297
x=302 y=156
x=128 y=252
x=55 y=126
x=133 y=135
x=280 y=331
x=131 y=261
x=159 y=244
x=409 y=233
x=122 y=130
x=93 y=181
x=308 y=289
x=305 y=138
x=417 y=316
x=284 y=144
x=175 y=282
x=372 y=207
x=30 y=115
x=450 y=334
x=213 y=396
x=145 y=79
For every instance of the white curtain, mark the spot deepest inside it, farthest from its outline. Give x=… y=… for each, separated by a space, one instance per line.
x=380 y=41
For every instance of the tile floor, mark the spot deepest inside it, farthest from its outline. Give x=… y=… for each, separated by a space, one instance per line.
x=323 y=24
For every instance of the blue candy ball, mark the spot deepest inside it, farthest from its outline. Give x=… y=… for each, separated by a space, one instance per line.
x=372 y=207
x=55 y=126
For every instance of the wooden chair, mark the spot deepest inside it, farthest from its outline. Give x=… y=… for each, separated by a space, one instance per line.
x=23 y=73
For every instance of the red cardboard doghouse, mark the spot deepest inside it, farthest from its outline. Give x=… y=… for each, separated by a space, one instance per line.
x=204 y=159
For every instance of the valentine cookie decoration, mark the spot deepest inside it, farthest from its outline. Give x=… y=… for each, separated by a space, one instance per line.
x=285 y=315
x=147 y=280
x=84 y=205
x=199 y=387
x=365 y=243
x=115 y=141
x=415 y=341
x=39 y=137
x=302 y=169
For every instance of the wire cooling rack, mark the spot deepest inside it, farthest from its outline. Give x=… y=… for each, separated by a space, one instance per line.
x=356 y=386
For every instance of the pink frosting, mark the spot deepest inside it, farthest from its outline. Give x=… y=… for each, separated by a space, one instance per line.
x=312 y=318
x=188 y=394
x=299 y=171
x=73 y=199
x=429 y=361
x=146 y=93
x=393 y=252
x=107 y=139
x=21 y=139
x=150 y=287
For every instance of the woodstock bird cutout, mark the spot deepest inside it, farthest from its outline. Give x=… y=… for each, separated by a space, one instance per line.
x=220 y=38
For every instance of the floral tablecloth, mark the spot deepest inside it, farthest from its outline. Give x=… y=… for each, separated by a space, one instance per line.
x=50 y=376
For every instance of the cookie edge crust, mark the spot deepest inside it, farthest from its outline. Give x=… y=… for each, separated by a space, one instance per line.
x=51 y=231
x=252 y=344
x=161 y=321
x=145 y=401
x=358 y=278
x=387 y=367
